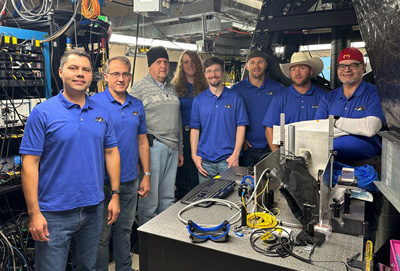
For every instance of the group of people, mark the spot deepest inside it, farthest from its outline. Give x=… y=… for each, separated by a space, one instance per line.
x=81 y=171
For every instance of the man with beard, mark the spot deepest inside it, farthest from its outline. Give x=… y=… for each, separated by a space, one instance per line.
x=300 y=101
x=257 y=92
x=358 y=117
x=217 y=124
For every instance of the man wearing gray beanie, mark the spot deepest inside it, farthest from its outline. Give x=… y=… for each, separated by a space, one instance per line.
x=257 y=92
x=163 y=120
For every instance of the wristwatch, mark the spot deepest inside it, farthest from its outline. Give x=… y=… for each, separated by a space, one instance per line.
x=147 y=173
x=114 y=192
x=336 y=118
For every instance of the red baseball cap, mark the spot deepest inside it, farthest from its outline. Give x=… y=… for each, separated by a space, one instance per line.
x=351 y=53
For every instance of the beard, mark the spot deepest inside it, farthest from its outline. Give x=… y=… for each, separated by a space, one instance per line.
x=216 y=83
x=302 y=82
x=349 y=82
x=258 y=75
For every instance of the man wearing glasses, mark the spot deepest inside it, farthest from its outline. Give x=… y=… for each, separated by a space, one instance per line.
x=357 y=108
x=358 y=117
x=129 y=122
x=218 y=124
x=164 y=130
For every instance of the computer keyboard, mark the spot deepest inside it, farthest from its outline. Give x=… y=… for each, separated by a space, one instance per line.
x=215 y=188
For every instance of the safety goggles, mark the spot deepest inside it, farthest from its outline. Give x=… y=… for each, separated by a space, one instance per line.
x=198 y=234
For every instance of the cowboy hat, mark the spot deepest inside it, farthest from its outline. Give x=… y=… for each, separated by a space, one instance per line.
x=299 y=58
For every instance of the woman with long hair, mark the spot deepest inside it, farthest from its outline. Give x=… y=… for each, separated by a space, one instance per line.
x=189 y=81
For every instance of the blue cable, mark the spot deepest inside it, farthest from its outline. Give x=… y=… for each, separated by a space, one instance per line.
x=248 y=177
x=26 y=264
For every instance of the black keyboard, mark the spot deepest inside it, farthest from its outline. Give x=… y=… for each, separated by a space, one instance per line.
x=215 y=188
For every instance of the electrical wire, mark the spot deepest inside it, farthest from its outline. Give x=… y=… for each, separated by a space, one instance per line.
x=260 y=220
x=2 y=12
x=163 y=33
x=22 y=256
x=10 y=247
x=182 y=2
x=225 y=202
x=29 y=14
x=64 y=28
x=136 y=48
x=119 y=3
x=91 y=11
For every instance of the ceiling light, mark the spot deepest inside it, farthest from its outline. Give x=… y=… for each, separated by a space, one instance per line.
x=318 y=47
x=117 y=38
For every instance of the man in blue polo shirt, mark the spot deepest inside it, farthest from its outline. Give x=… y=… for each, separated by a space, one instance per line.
x=357 y=108
x=358 y=117
x=300 y=101
x=129 y=123
x=257 y=92
x=67 y=141
x=218 y=123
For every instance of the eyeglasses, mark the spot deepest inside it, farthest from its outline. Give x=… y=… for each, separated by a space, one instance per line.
x=125 y=75
x=351 y=66
x=213 y=71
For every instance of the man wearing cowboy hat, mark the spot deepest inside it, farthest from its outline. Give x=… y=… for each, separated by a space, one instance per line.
x=358 y=117
x=257 y=92
x=300 y=101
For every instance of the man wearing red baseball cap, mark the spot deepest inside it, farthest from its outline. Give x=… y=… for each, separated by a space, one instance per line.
x=358 y=117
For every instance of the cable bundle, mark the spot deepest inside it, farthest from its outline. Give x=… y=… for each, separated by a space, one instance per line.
x=91 y=11
x=15 y=253
x=29 y=13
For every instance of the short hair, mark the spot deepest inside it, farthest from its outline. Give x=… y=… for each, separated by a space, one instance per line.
x=123 y=59
x=78 y=52
x=212 y=61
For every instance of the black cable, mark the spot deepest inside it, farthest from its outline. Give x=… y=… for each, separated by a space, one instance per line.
x=11 y=100
x=119 y=3
x=137 y=38
x=51 y=66
x=347 y=267
x=290 y=252
x=271 y=253
x=47 y=89
x=97 y=51
x=177 y=2
x=163 y=33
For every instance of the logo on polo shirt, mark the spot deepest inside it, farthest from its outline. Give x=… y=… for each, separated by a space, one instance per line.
x=99 y=119
x=315 y=106
x=271 y=93
x=228 y=106
x=359 y=108
x=135 y=113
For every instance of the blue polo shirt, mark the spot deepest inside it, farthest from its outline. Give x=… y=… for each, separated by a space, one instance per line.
x=296 y=106
x=70 y=141
x=186 y=105
x=363 y=103
x=129 y=121
x=257 y=101
x=217 y=118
